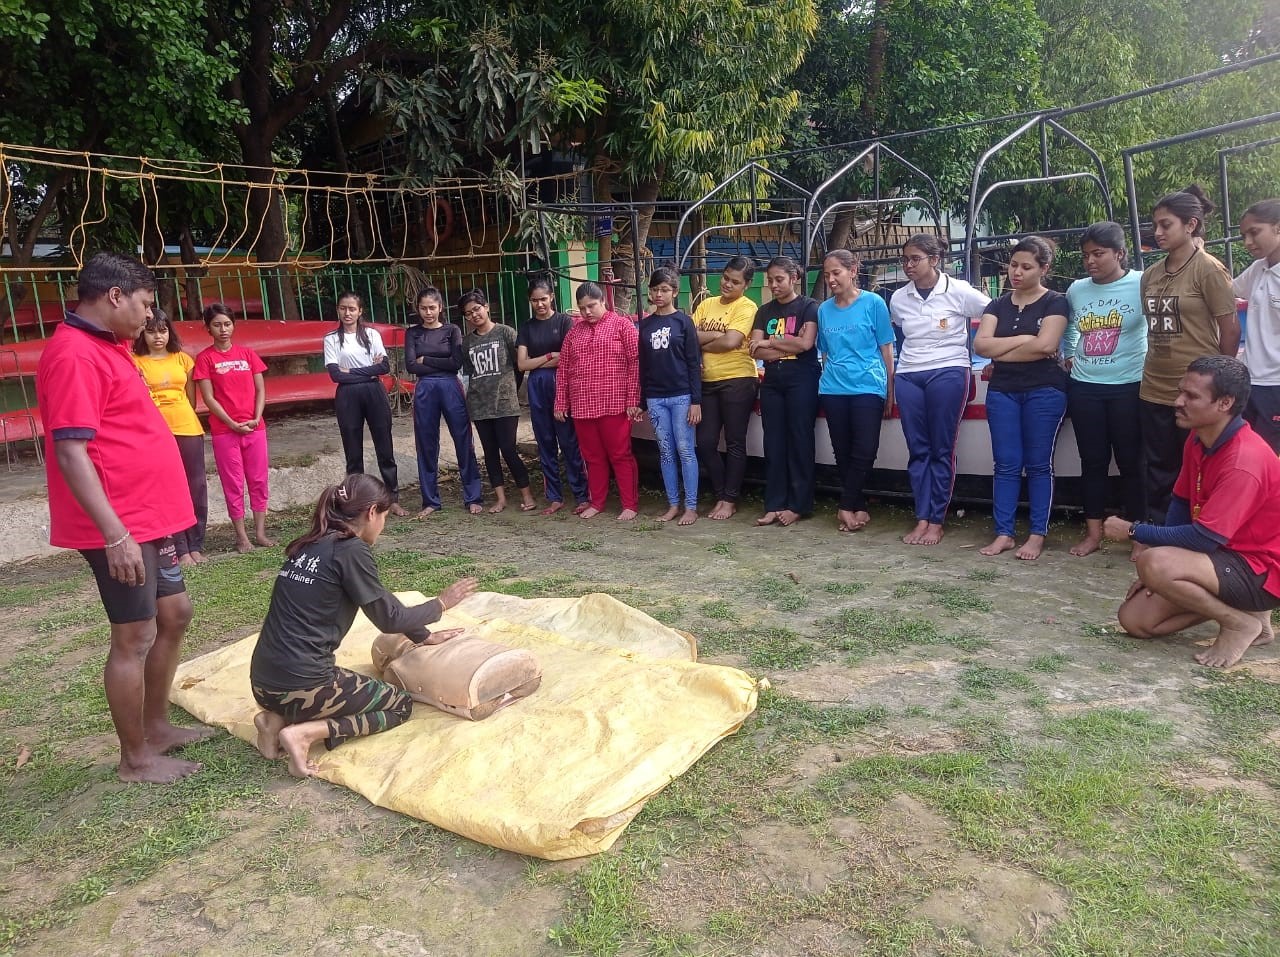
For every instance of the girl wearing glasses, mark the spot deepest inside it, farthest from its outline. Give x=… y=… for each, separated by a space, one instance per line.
x=931 y=384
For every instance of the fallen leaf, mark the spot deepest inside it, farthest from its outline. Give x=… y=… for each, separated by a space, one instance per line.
x=24 y=755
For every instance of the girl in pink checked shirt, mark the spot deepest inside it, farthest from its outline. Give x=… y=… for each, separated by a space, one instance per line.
x=599 y=386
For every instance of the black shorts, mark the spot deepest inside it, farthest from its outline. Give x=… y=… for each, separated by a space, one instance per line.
x=1263 y=413
x=1239 y=585
x=129 y=603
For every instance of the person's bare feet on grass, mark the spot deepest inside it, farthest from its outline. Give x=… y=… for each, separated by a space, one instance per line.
x=932 y=534
x=1268 y=633
x=1232 y=642
x=269 y=725
x=1002 y=543
x=723 y=510
x=296 y=740
x=475 y=508
x=426 y=512
x=552 y=508
x=264 y=542
x=669 y=514
x=185 y=560
x=851 y=521
x=500 y=504
x=787 y=518
x=527 y=504
x=1031 y=548
x=581 y=507
x=169 y=737
x=1086 y=546
x=397 y=509
x=768 y=518
x=156 y=769
x=689 y=517
x=588 y=513
x=244 y=546
x=627 y=515
x=198 y=558
x=913 y=537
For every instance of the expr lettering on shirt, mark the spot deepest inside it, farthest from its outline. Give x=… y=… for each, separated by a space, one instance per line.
x=223 y=366
x=1163 y=316
x=484 y=359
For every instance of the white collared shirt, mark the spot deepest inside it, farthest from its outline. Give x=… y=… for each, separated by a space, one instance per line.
x=351 y=353
x=1261 y=286
x=936 y=330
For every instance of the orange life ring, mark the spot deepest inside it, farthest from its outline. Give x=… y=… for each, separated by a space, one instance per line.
x=438 y=222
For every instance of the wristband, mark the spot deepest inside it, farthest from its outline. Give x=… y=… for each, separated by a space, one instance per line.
x=119 y=541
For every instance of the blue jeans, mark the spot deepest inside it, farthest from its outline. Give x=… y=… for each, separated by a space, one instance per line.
x=1024 y=430
x=554 y=439
x=670 y=418
x=434 y=397
x=930 y=405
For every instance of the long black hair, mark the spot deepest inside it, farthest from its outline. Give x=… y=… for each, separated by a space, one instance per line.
x=159 y=320
x=340 y=506
x=361 y=334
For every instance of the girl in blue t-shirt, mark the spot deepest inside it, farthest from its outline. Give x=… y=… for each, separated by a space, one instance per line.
x=1105 y=346
x=856 y=386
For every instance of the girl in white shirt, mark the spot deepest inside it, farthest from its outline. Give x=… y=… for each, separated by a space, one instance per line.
x=931 y=384
x=355 y=358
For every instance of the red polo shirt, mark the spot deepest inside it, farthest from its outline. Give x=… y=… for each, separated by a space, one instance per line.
x=1234 y=493
x=88 y=387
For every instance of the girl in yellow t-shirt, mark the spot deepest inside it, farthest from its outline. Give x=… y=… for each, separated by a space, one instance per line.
x=167 y=372
x=729 y=383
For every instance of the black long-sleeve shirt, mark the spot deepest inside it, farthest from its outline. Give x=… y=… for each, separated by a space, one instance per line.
x=433 y=353
x=670 y=358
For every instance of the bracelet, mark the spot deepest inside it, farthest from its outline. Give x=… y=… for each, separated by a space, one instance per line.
x=119 y=541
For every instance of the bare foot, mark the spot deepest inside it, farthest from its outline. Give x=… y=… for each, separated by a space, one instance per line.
x=269 y=725
x=723 y=510
x=243 y=545
x=264 y=541
x=1086 y=546
x=768 y=518
x=198 y=558
x=588 y=513
x=852 y=521
x=1002 y=543
x=527 y=504
x=1268 y=634
x=167 y=737
x=669 y=514
x=626 y=515
x=296 y=740
x=787 y=518
x=581 y=507
x=689 y=517
x=475 y=508
x=1231 y=644
x=913 y=537
x=425 y=512
x=552 y=508
x=157 y=769
x=185 y=560
x=498 y=506
x=932 y=534
x=1031 y=548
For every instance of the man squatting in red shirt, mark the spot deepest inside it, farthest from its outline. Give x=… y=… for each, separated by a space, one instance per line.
x=1217 y=558
x=117 y=493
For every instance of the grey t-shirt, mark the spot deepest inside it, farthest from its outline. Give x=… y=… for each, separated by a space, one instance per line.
x=490 y=363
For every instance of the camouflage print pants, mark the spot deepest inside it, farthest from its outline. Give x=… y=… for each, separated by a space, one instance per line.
x=353 y=705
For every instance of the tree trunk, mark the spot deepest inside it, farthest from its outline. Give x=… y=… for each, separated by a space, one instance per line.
x=630 y=253
x=698 y=260
x=191 y=273
x=266 y=220
x=360 y=246
x=602 y=192
x=875 y=66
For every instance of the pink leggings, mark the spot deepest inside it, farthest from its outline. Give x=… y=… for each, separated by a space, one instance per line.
x=241 y=457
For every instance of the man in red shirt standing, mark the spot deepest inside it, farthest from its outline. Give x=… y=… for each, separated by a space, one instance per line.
x=1217 y=558
x=117 y=493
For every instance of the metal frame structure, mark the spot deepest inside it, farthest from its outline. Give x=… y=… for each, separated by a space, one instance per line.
x=587 y=210
x=1224 y=189
x=1135 y=222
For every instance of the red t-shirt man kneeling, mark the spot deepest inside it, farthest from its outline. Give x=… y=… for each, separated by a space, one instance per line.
x=1217 y=558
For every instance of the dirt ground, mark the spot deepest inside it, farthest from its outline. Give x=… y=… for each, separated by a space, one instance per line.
x=915 y=782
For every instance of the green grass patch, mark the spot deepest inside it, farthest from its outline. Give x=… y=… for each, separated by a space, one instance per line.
x=984 y=681
x=796 y=718
x=717 y=610
x=580 y=545
x=955 y=598
x=844 y=589
x=780 y=648
x=723 y=549
x=1050 y=664
x=780 y=592
x=860 y=633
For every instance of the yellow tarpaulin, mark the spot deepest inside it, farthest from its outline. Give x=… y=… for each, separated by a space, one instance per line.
x=622 y=711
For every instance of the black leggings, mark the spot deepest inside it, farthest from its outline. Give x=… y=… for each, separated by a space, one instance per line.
x=191 y=447
x=498 y=441
x=853 y=422
x=352 y=705
x=1106 y=421
x=355 y=404
x=1162 y=442
x=726 y=405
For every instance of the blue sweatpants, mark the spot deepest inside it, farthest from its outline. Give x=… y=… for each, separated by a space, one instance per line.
x=554 y=439
x=930 y=405
x=433 y=397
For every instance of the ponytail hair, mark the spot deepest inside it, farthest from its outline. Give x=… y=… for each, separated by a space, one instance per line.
x=743 y=265
x=589 y=290
x=340 y=508
x=787 y=265
x=1191 y=203
x=1040 y=247
x=1265 y=211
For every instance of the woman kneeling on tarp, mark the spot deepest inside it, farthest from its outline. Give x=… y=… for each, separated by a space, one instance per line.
x=327 y=575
